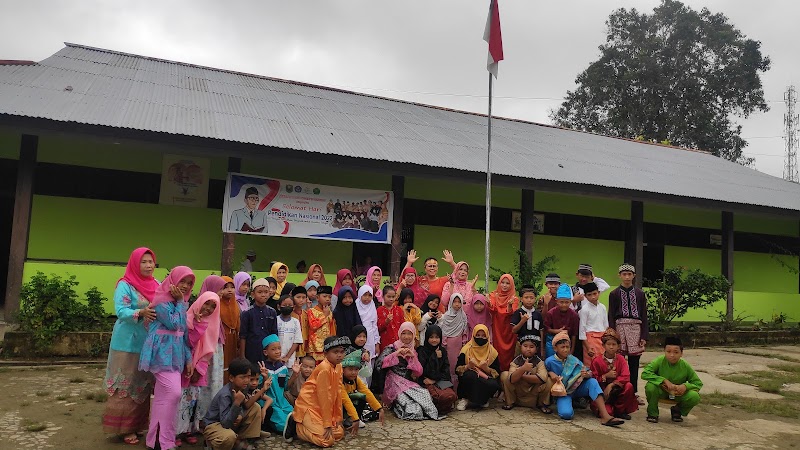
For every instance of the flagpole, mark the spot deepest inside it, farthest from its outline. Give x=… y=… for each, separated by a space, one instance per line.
x=488 y=188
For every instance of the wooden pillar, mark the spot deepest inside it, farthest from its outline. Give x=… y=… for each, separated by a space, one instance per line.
x=636 y=240
x=526 y=230
x=228 y=244
x=398 y=187
x=727 y=257
x=20 y=223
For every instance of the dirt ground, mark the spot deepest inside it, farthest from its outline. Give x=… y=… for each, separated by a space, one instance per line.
x=59 y=407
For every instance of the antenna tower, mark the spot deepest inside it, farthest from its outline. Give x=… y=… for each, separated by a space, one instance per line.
x=790 y=121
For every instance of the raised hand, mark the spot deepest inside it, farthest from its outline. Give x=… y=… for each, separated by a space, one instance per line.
x=263 y=369
x=412 y=256
x=175 y=292
x=238 y=398
x=448 y=256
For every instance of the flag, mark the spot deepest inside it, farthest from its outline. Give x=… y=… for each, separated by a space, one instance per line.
x=493 y=36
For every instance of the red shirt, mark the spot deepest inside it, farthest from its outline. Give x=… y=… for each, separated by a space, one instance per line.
x=568 y=319
x=435 y=286
x=390 y=331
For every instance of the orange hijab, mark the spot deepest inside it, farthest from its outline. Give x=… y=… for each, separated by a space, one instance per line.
x=322 y=281
x=500 y=299
x=229 y=310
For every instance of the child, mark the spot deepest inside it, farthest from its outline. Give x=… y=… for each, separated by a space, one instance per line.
x=276 y=376
x=585 y=275
x=369 y=319
x=344 y=277
x=166 y=354
x=289 y=331
x=311 y=293
x=670 y=376
x=478 y=370
x=257 y=323
x=230 y=315
x=526 y=382
x=430 y=313
x=627 y=313
x=577 y=380
x=390 y=317
x=436 y=376
x=478 y=314
x=411 y=312
x=317 y=416
x=503 y=301
x=593 y=323
x=256 y=392
x=527 y=320
x=273 y=287
x=227 y=422
x=301 y=314
x=321 y=324
x=455 y=331
x=346 y=312
x=241 y=285
x=561 y=318
x=548 y=300
x=611 y=370
x=355 y=393
x=307 y=365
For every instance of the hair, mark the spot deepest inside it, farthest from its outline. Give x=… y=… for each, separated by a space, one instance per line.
x=271 y=280
x=388 y=288
x=673 y=340
x=307 y=358
x=527 y=288
x=285 y=297
x=589 y=287
x=561 y=341
x=430 y=258
x=239 y=366
x=586 y=272
x=254 y=370
x=250 y=190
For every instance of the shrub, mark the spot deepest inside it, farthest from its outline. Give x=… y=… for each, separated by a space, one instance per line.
x=680 y=290
x=526 y=272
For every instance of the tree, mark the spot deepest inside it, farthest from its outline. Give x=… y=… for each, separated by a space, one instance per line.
x=525 y=271
x=675 y=75
x=680 y=290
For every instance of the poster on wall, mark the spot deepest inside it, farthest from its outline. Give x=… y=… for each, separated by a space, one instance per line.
x=258 y=205
x=184 y=181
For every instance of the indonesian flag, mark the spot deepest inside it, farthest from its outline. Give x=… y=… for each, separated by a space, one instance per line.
x=493 y=36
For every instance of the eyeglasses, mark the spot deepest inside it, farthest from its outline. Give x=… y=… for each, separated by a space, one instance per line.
x=252 y=197
x=431 y=265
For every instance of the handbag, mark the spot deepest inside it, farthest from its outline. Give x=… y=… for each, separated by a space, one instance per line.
x=558 y=389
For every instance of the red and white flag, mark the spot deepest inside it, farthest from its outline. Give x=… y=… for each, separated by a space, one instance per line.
x=493 y=36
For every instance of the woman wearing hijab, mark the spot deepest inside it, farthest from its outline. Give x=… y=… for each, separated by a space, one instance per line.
x=374 y=277
x=346 y=312
x=502 y=304
x=436 y=370
x=458 y=283
x=280 y=272
x=402 y=368
x=455 y=332
x=344 y=277
x=409 y=280
x=129 y=388
x=478 y=371
x=478 y=314
x=369 y=319
x=241 y=286
x=315 y=273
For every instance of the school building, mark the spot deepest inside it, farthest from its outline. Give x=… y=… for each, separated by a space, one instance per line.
x=83 y=135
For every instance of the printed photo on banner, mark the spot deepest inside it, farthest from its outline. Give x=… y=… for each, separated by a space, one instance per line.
x=258 y=205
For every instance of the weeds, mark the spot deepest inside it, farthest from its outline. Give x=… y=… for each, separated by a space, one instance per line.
x=761 y=354
x=62 y=397
x=33 y=427
x=782 y=408
x=42 y=393
x=76 y=380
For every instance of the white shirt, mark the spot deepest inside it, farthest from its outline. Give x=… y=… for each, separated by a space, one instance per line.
x=242 y=217
x=594 y=318
x=247 y=266
x=289 y=333
x=601 y=286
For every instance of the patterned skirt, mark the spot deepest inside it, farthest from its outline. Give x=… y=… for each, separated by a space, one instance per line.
x=128 y=406
x=214 y=382
x=188 y=420
x=630 y=333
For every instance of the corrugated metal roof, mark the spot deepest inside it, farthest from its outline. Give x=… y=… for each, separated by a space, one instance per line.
x=115 y=89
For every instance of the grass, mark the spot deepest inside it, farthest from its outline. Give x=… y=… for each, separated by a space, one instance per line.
x=25 y=403
x=33 y=427
x=77 y=380
x=42 y=393
x=99 y=397
x=62 y=397
x=771 y=381
x=761 y=354
x=782 y=408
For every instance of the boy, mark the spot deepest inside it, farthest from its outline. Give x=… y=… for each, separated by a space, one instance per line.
x=584 y=275
x=548 y=300
x=561 y=319
x=227 y=423
x=290 y=331
x=320 y=323
x=627 y=314
x=593 y=323
x=527 y=320
x=526 y=382
x=355 y=394
x=253 y=394
x=317 y=416
x=670 y=376
x=311 y=292
x=257 y=323
x=276 y=376
x=273 y=286
x=307 y=365
x=611 y=370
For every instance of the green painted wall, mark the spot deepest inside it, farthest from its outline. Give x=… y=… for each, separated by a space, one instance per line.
x=468 y=193
x=707 y=260
x=673 y=215
x=760 y=272
x=9 y=145
x=582 y=205
x=766 y=225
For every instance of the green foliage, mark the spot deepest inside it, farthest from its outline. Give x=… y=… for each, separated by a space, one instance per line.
x=680 y=290
x=727 y=324
x=526 y=272
x=675 y=75
x=50 y=305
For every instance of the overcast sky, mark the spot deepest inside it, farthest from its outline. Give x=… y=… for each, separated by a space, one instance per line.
x=419 y=50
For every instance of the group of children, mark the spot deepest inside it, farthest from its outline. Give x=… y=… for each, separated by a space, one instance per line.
x=295 y=364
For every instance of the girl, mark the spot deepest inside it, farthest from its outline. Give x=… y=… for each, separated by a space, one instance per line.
x=201 y=319
x=369 y=318
x=231 y=325
x=346 y=312
x=478 y=370
x=316 y=274
x=408 y=280
x=478 y=314
x=166 y=354
x=410 y=311
x=241 y=285
x=436 y=370
x=279 y=271
x=430 y=313
x=390 y=317
x=129 y=388
x=401 y=366
x=374 y=277
x=215 y=371
x=454 y=332
x=344 y=277
x=458 y=283
x=502 y=304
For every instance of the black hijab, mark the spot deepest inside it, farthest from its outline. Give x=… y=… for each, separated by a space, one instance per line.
x=431 y=297
x=346 y=316
x=433 y=367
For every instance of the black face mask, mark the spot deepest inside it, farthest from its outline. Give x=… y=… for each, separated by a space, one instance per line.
x=481 y=341
x=286 y=310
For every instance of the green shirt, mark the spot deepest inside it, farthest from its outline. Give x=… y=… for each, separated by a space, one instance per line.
x=681 y=372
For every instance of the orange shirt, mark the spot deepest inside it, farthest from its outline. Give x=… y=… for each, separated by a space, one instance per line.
x=321 y=396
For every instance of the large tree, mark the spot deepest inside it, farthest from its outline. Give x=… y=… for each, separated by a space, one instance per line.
x=675 y=75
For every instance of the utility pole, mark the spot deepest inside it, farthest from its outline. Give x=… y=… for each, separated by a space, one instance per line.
x=790 y=121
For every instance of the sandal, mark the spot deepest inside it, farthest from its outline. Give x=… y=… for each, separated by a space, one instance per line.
x=652 y=419
x=508 y=407
x=676 y=414
x=178 y=442
x=131 y=440
x=545 y=409
x=191 y=440
x=613 y=422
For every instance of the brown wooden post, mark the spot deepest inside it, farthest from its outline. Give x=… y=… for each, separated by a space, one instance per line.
x=526 y=230
x=399 y=188
x=228 y=242
x=727 y=257
x=637 y=240
x=20 y=223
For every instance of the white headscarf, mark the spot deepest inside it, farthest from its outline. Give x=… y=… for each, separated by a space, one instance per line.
x=369 y=318
x=453 y=323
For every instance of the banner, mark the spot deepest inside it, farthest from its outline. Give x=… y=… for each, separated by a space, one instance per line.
x=184 y=181
x=257 y=205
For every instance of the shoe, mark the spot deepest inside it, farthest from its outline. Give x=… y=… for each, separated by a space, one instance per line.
x=623 y=416
x=485 y=405
x=265 y=434
x=462 y=404
x=640 y=400
x=289 y=429
x=361 y=424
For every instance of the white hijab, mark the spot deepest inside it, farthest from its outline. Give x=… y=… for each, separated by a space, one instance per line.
x=369 y=318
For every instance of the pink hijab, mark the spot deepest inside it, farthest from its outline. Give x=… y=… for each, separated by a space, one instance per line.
x=133 y=274
x=208 y=343
x=163 y=294
x=376 y=290
x=475 y=318
x=238 y=279
x=398 y=344
x=340 y=275
x=212 y=283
